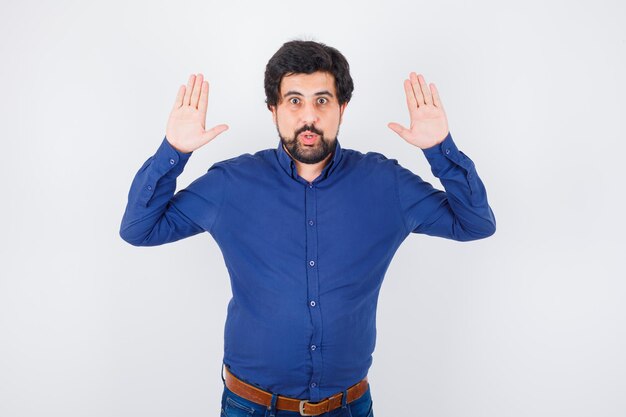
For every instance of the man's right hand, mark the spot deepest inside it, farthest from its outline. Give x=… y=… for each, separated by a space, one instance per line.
x=185 y=127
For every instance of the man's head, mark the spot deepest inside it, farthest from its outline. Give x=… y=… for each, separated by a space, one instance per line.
x=307 y=87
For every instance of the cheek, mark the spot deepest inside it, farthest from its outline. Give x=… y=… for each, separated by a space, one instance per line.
x=332 y=124
x=285 y=125
x=285 y=120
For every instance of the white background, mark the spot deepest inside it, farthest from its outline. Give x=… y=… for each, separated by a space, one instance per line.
x=529 y=322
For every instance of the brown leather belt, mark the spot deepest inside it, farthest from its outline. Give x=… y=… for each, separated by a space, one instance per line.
x=306 y=408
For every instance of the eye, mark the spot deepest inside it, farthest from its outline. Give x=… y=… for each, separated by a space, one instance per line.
x=291 y=100
x=325 y=100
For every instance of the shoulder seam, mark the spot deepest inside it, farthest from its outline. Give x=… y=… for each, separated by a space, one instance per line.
x=400 y=210
x=219 y=209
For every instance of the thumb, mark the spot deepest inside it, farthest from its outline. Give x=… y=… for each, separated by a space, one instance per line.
x=209 y=135
x=398 y=128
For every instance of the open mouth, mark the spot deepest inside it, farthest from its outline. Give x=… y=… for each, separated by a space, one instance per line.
x=308 y=138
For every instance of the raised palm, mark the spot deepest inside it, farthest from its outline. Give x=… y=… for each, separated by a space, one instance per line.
x=185 y=129
x=429 y=124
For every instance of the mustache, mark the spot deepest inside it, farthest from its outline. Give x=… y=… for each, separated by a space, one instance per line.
x=310 y=129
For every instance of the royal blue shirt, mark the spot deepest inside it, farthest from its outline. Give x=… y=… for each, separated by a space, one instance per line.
x=306 y=259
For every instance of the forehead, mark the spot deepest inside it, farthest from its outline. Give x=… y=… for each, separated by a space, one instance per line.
x=308 y=83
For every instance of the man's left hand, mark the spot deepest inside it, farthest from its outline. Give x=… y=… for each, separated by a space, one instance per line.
x=429 y=125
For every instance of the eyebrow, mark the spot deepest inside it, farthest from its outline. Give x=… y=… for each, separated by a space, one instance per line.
x=297 y=93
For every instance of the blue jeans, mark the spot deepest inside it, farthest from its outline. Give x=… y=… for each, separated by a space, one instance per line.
x=235 y=406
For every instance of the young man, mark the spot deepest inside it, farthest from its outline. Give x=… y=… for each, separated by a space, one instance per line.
x=307 y=230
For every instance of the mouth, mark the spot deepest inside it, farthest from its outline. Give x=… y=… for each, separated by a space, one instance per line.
x=308 y=138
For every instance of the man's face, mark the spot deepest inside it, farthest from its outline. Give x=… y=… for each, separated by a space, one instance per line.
x=308 y=115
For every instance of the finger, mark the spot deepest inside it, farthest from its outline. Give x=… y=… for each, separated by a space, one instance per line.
x=179 y=97
x=436 y=99
x=425 y=90
x=204 y=98
x=417 y=90
x=195 y=94
x=399 y=129
x=209 y=135
x=411 y=102
x=187 y=97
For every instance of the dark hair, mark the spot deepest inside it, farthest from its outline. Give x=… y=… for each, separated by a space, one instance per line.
x=306 y=57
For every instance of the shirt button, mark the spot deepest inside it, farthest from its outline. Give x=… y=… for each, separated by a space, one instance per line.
x=313 y=384
x=149 y=187
x=172 y=162
x=311 y=263
x=310 y=185
x=447 y=151
x=310 y=222
x=312 y=303
x=313 y=347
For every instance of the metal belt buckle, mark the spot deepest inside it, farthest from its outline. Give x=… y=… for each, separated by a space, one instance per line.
x=302 y=413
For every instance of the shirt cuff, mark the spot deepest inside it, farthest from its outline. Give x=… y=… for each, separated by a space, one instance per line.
x=167 y=160
x=444 y=147
x=447 y=149
x=166 y=147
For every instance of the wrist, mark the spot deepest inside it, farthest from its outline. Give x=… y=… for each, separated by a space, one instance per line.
x=436 y=143
x=176 y=148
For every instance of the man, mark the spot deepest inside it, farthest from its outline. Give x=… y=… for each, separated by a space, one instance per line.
x=307 y=230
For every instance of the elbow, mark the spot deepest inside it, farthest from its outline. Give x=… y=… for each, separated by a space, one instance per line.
x=490 y=224
x=486 y=229
x=129 y=238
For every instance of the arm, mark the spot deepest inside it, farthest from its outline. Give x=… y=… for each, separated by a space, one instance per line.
x=154 y=215
x=462 y=211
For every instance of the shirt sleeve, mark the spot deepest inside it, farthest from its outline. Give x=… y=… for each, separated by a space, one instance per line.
x=461 y=212
x=154 y=215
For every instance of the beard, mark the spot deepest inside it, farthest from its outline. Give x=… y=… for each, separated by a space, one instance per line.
x=309 y=154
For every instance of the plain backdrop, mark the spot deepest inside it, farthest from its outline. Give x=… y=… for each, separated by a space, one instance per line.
x=529 y=322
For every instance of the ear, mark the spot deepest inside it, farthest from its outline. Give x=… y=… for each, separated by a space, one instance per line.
x=341 y=110
x=273 y=110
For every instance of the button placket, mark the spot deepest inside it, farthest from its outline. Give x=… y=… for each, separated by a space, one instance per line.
x=312 y=272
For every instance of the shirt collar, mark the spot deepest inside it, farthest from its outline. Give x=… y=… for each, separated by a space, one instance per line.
x=290 y=167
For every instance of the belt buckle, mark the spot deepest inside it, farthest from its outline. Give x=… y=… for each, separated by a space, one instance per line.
x=302 y=413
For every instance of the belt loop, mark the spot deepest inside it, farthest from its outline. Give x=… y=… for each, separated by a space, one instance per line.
x=344 y=404
x=272 y=408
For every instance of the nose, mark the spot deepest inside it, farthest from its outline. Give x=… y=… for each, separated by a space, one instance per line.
x=309 y=114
